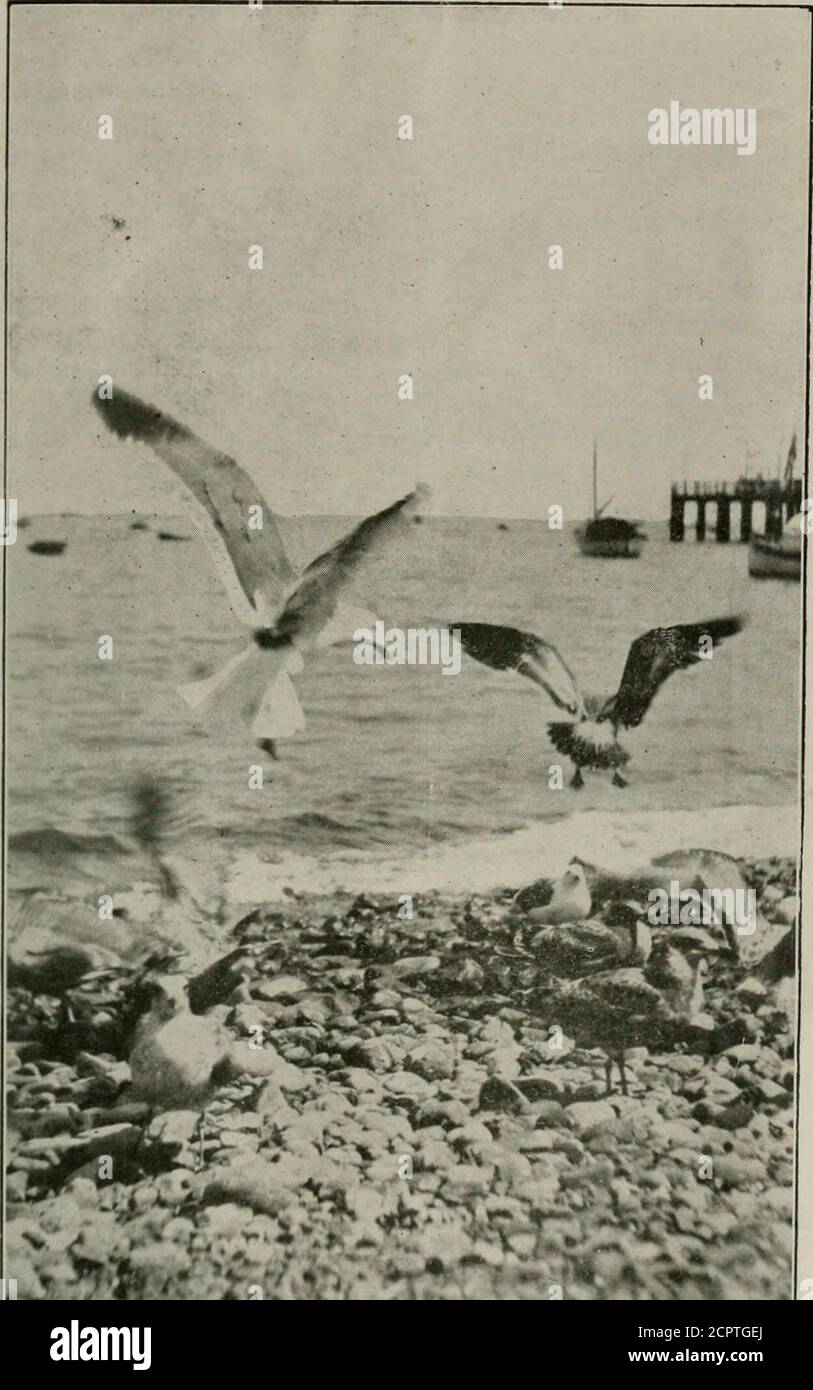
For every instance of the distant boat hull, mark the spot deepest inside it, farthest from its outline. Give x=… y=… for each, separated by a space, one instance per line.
x=780 y=559
x=47 y=547
x=609 y=547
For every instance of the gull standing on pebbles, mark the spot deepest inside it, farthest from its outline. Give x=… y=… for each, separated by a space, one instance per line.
x=287 y=613
x=178 y=1058
x=590 y=738
x=616 y=1009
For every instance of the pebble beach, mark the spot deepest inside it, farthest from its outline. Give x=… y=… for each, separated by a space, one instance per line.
x=409 y=1132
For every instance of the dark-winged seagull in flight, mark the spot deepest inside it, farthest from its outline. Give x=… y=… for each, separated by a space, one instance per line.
x=286 y=612
x=590 y=738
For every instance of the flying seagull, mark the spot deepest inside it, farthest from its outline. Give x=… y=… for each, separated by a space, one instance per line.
x=286 y=612
x=590 y=737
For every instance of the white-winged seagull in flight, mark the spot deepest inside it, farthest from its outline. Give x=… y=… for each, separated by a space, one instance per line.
x=286 y=612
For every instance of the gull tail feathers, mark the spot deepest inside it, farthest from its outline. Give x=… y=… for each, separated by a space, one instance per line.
x=280 y=714
x=587 y=744
x=253 y=690
x=201 y=695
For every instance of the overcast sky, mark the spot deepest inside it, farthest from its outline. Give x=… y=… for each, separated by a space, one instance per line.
x=384 y=257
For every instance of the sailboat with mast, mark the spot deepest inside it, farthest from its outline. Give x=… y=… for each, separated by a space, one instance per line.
x=609 y=537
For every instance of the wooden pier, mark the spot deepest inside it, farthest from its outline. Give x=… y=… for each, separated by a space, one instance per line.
x=781 y=499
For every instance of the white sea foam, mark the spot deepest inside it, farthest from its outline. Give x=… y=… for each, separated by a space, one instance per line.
x=480 y=865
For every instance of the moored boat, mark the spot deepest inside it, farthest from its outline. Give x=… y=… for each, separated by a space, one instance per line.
x=780 y=558
x=608 y=537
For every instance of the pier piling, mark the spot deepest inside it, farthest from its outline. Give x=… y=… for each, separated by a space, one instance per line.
x=677 y=521
x=782 y=499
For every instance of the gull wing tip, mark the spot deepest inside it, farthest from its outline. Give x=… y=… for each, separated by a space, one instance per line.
x=129 y=417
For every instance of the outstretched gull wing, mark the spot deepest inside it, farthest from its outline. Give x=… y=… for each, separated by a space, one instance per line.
x=225 y=492
x=508 y=649
x=654 y=657
x=315 y=598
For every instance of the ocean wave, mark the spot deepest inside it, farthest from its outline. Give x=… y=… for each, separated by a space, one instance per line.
x=483 y=863
x=53 y=843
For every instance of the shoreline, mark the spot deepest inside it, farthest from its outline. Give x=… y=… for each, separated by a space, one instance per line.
x=617 y=840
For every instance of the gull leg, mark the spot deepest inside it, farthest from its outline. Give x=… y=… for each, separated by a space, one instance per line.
x=269 y=746
x=201 y=1138
x=618 y=780
x=577 y=780
x=620 y=1060
x=608 y=1072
